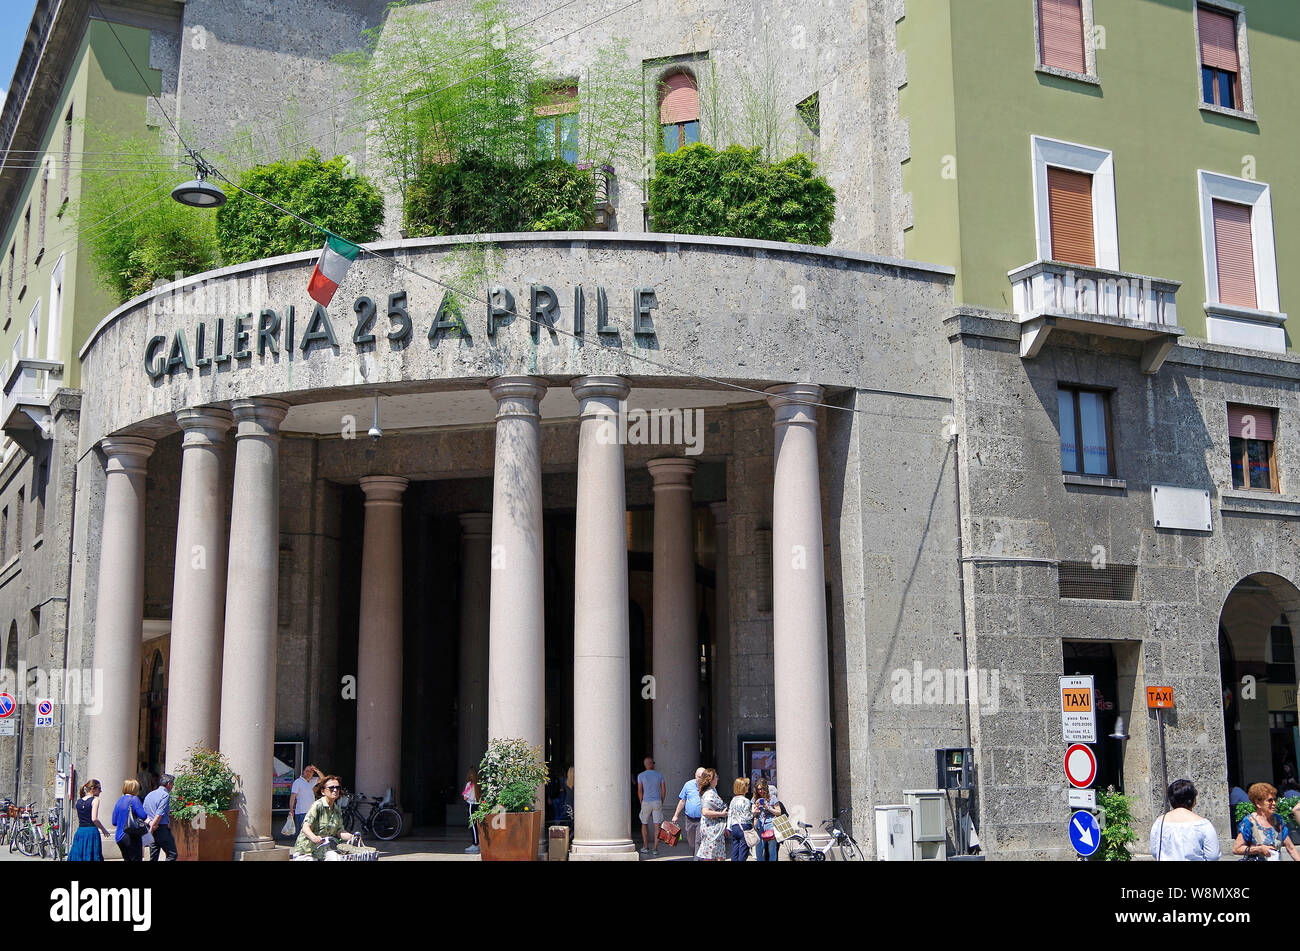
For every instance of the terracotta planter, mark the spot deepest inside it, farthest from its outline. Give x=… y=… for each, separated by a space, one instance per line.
x=214 y=843
x=515 y=841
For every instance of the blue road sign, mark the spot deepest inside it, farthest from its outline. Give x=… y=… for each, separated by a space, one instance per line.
x=1085 y=833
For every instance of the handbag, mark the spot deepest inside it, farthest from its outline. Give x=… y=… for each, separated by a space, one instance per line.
x=135 y=826
x=783 y=826
x=669 y=832
x=751 y=837
x=288 y=828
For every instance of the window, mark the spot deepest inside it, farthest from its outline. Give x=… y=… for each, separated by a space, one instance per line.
x=1234 y=254
x=1241 y=302
x=1083 y=579
x=10 y=305
x=33 y=351
x=1061 y=42
x=67 y=152
x=18 y=522
x=1074 y=204
x=557 y=125
x=27 y=247
x=46 y=171
x=1085 y=431
x=1251 y=444
x=40 y=483
x=679 y=111
x=1221 y=73
x=810 y=125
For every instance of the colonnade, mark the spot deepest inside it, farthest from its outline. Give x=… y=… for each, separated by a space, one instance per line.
x=225 y=601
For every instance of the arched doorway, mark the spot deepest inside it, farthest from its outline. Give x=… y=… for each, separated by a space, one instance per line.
x=1257 y=665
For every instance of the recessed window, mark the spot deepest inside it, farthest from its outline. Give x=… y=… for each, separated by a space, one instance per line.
x=1086 y=445
x=1241 y=303
x=1234 y=254
x=1074 y=204
x=1253 y=447
x=557 y=125
x=679 y=111
x=1061 y=35
x=1221 y=73
x=1069 y=205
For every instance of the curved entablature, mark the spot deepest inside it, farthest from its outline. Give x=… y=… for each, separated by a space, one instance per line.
x=664 y=310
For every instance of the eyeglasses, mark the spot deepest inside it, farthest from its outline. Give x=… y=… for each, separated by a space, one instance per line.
x=331 y=789
x=1271 y=799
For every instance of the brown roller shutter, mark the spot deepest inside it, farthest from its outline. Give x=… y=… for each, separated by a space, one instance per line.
x=680 y=100
x=1218 y=32
x=1069 y=203
x=1234 y=252
x=1260 y=424
x=1060 y=27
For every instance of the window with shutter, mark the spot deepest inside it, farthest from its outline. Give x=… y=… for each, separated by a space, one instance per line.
x=1220 y=65
x=557 y=124
x=679 y=111
x=1069 y=199
x=1060 y=34
x=1253 y=447
x=1234 y=253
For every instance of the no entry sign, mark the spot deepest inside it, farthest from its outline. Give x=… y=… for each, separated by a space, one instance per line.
x=7 y=705
x=1080 y=766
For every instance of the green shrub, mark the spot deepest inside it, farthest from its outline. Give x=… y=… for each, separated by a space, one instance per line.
x=1117 y=833
x=205 y=785
x=736 y=194
x=477 y=195
x=508 y=777
x=326 y=192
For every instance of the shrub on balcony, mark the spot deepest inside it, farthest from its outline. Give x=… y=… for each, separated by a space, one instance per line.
x=734 y=193
x=327 y=192
x=477 y=195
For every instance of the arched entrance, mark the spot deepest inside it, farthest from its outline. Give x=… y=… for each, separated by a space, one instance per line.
x=1258 y=664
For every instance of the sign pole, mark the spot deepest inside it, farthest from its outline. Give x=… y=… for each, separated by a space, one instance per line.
x=1164 y=769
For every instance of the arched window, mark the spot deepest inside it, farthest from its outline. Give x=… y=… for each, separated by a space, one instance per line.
x=679 y=111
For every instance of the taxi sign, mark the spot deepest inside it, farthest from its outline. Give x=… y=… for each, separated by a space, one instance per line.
x=1160 y=698
x=1078 y=711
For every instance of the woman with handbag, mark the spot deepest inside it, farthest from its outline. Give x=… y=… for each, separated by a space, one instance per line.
x=1262 y=834
x=86 y=845
x=713 y=819
x=130 y=821
x=765 y=812
x=1180 y=835
x=740 y=820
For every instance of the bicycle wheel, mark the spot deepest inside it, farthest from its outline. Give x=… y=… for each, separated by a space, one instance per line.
x=798 y=849
x=26 y=841
x=850 y=851
x=386 y=824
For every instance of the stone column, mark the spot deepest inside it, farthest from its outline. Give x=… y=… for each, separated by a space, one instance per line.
x=119 y=617
x=252 y=587
x=199 y=586
x=726 y=749
x=803 y=735
x=379 y=641
x=676 y=705
x=601 y=715
x=475 y=603
x=517 y=652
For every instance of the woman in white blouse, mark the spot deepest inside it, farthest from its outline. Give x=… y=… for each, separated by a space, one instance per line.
x=1180 y=835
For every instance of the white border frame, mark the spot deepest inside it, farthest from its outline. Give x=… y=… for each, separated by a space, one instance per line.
x=1242 y=191
x=1100 y=164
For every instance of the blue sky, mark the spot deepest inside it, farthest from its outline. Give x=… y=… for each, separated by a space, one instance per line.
x=13 y=30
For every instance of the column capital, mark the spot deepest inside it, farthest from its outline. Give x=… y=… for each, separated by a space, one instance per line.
x=126 y=453
x=790 y=402
x=672 y=472
x=204 y=425
x=258 y=417
x=719 y=510
x=383 y=490
x=600 y=387
x=518 y=395
x=474 y=524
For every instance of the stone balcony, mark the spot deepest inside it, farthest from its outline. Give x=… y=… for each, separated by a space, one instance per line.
x=30 y=387
x=1051 y=295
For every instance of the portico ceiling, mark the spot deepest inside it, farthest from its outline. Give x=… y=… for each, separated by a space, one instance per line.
x=476 y=407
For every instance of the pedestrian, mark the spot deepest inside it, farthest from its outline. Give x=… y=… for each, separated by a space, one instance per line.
x=130 y=821
x=1180 y=835
x=1262 y=835
x=713 y=820
x=651 y=790
x=302 y=794
x=86 y=846
x=470 y=795
x=766 y=809
x=740 y=819
x=158 y=807
x=688 y=800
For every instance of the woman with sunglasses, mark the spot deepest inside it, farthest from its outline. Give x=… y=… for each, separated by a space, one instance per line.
x=324 y=819
x=1262 y=834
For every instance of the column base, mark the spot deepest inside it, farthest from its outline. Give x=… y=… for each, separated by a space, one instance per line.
x=621 y=850
x=262 y=843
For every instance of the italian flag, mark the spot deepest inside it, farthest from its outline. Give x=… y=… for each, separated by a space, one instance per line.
x=335 y=259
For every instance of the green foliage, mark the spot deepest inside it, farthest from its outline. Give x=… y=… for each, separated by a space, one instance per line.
x=136 y=233
x=1284 y=812
x=735 y=193
x=476 y=196
x=205 y=785
x=327 y=192
x=509 y=775
x=1118 y=830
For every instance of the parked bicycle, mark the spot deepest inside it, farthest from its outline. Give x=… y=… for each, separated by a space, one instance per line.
x=8 y=815
x=840 y=846
x=54 y=835
x=27 y=838
x=379 y=819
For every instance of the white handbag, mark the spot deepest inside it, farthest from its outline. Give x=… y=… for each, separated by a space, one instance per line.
x=289 y=828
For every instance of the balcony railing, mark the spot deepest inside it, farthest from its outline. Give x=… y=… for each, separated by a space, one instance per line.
x=27 y=395
x=1052 y=294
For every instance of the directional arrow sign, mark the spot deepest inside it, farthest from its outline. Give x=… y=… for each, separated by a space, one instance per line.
x=1085 y=833
x=1080 y=766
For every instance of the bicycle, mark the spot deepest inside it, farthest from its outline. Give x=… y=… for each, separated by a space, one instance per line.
x=843 y=844
x=54 y=836
x=28 y=837
x=381 y=820
x=6 y=822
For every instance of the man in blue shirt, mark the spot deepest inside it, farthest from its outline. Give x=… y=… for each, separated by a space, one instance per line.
x=651 y=790
x=689 y=800
x=158 y=807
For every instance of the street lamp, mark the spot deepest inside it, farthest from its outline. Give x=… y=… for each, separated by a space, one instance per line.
x=199 y=193
x=1120 y=735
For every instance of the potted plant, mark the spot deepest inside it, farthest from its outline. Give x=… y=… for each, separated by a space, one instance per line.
x=203 y=821
x=509 y=825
